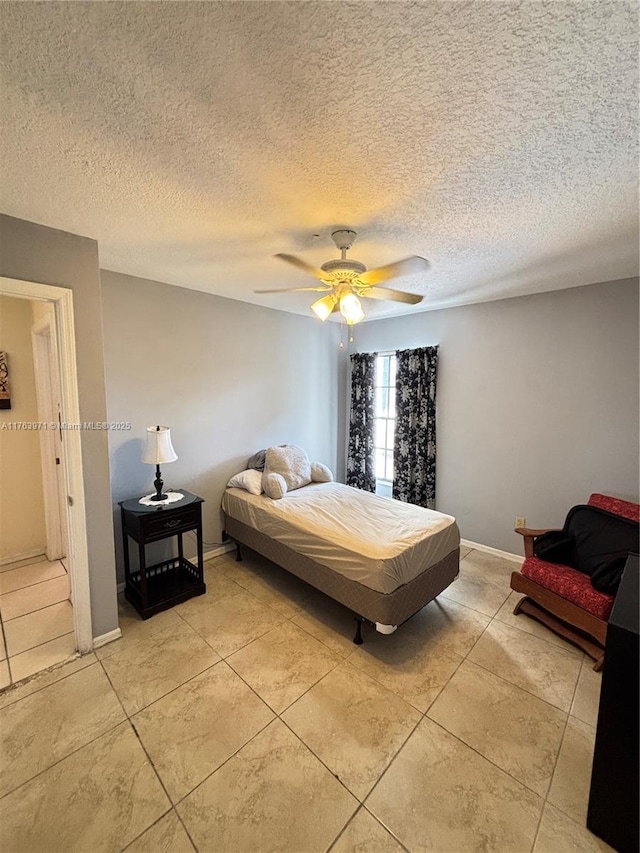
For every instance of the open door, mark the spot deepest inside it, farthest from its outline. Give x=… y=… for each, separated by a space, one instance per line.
x=46 y=363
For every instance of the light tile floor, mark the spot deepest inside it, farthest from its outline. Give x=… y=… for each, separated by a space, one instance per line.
x=246 y=720
x=36 y=618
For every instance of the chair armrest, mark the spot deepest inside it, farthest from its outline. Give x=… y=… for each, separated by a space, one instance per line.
x=529 y=534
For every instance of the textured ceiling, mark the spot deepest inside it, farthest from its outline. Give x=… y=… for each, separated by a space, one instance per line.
x=195 y=140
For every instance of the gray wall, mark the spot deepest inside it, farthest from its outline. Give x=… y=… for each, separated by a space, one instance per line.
x=228 y=378
x=537 y=403
x=34 y=253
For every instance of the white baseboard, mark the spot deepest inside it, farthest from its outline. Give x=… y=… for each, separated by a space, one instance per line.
x=109 y=637
x=506 y=555
x=20 y=558
x=218 y=551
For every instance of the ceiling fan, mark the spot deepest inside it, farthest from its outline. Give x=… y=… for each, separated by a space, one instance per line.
x=344 y=281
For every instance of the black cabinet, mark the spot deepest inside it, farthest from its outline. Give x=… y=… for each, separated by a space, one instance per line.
x=613 y=801
x=154 y=588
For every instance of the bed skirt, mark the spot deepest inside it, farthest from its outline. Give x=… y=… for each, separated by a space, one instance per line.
x=387 y=608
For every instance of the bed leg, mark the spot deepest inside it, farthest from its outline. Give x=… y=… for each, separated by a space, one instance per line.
x=358 y=637
x=238 y=553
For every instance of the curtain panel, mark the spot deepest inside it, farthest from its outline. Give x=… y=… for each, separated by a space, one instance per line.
x=360 y=464
x=414 y=453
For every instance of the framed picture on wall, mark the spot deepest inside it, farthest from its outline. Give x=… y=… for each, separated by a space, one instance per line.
x=5 y=394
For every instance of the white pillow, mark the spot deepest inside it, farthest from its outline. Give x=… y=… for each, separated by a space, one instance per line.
x=320 y=473
x=251 y=480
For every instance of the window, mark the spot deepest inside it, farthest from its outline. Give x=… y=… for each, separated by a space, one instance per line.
x=385 y=405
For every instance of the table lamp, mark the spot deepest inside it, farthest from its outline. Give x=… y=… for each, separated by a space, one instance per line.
x=159 y=450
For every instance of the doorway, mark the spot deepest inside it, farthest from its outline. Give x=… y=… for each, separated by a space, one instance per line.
x=53 y=342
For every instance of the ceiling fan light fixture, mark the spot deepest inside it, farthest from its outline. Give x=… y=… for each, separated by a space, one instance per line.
x=351 y=308
x=323 y=308
x=343 y=280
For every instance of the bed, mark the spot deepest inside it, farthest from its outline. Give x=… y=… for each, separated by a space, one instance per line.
x=383 y=559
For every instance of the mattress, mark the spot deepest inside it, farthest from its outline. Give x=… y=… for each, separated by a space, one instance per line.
x=376 y=541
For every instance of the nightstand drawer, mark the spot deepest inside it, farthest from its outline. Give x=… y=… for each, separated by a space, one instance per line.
x=165 y=524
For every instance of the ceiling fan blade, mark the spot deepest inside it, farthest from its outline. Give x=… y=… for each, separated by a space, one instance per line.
x=296 y=290
x=302 y=265
x=404 y=267
x=392 y=295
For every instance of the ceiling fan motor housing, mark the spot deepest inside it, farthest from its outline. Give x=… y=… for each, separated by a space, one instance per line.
x=345 y=265
x=344 y=238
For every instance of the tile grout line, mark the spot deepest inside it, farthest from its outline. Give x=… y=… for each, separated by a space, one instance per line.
x=53 y=668
x=386 y=828
x=226 y=761
x=155 y=823
x=503 y=678
x=566 y=647
x=495 y=616
x=344 y=828
x=39 y=645
x=517 y=686
x=484 y=757
x=541 y=797
x=6 y=651
x=317 y=757
x=151 y=764
x=555 y=764
x=63 y=758
x=469 y=746
x=149 y=759
x=555 y=707
x=37 y=609
x=422 y=718
x=29 y=585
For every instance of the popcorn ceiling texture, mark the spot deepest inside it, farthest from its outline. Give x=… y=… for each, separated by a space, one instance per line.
x=195 y=140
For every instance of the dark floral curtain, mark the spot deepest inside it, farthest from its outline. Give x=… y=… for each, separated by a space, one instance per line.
x=360 y=465
x=414 y=453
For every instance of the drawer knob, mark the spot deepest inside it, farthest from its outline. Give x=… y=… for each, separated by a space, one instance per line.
x=173 y=523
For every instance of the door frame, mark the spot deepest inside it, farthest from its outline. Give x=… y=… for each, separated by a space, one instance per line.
x=78 y=552
x=46 y=363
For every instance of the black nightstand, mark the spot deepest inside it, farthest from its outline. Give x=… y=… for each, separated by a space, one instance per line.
x=158 y=587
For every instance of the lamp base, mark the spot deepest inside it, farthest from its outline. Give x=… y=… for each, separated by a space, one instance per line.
x=158 y=483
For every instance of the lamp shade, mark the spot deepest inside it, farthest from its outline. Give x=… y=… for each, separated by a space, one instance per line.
x=351 y=308
x=324 y=307
x=159 y=448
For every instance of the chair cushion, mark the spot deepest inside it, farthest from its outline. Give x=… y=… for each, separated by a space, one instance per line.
x=616 y=505
x=570 y=584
